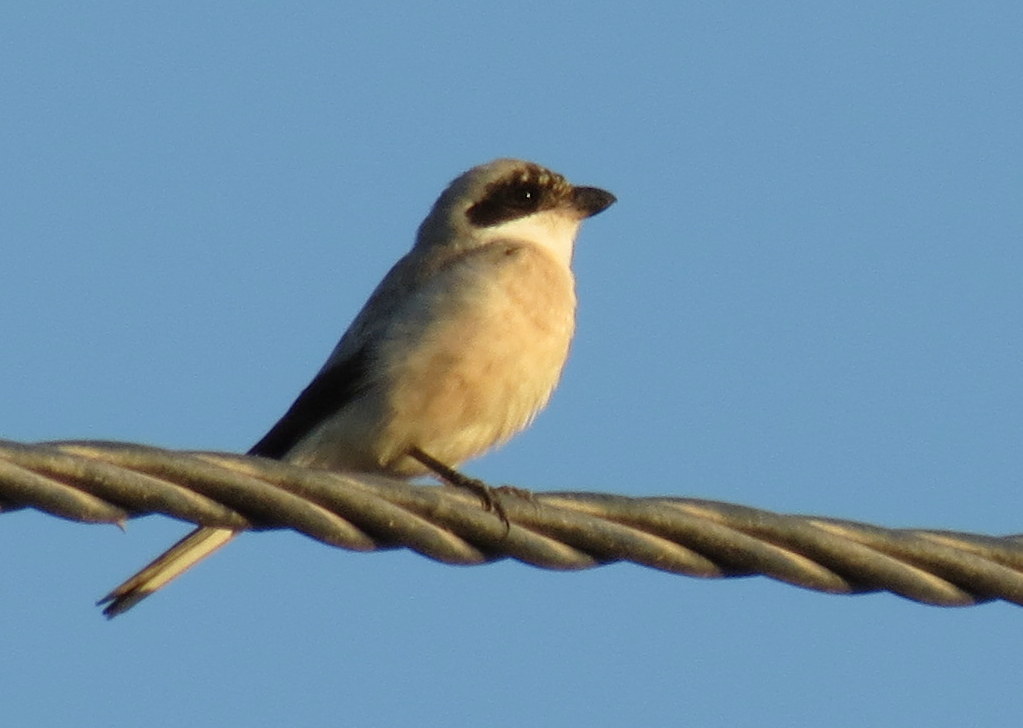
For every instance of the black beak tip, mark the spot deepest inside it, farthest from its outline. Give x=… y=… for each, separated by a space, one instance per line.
x=593 y=200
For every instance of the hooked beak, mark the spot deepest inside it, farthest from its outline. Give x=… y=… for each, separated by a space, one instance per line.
x=591 y=200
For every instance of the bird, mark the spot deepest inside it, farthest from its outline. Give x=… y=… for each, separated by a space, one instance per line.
x=456 y=350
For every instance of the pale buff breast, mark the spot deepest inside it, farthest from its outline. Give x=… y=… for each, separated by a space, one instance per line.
x=465 y=364
x=486 y=362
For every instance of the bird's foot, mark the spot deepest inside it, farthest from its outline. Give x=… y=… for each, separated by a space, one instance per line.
x=489 y=495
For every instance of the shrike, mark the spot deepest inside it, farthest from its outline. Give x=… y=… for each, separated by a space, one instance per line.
x=455 y=351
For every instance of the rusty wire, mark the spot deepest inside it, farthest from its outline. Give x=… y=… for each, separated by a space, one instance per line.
x=104 y=482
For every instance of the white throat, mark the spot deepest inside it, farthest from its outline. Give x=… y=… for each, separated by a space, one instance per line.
x=550 y=229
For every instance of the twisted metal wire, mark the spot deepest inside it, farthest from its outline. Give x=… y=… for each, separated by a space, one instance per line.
x=105 y=482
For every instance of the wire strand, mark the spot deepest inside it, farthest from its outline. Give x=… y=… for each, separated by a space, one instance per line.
x=110 y=482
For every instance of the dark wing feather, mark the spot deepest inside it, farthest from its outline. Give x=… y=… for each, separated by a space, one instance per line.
x=330 y=391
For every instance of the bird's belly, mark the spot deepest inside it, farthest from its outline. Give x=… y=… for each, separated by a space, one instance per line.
x=460 y=372
x=480 y=373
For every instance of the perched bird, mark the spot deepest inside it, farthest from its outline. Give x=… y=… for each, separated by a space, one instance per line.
x=455 y=351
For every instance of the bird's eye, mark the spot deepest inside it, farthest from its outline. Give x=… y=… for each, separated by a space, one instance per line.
x=507 y=202
x=524 y=196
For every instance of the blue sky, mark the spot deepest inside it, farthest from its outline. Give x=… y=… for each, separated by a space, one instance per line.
x=807 y=299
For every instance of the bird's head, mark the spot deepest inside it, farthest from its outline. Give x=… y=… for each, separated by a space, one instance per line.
x=511 y=199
